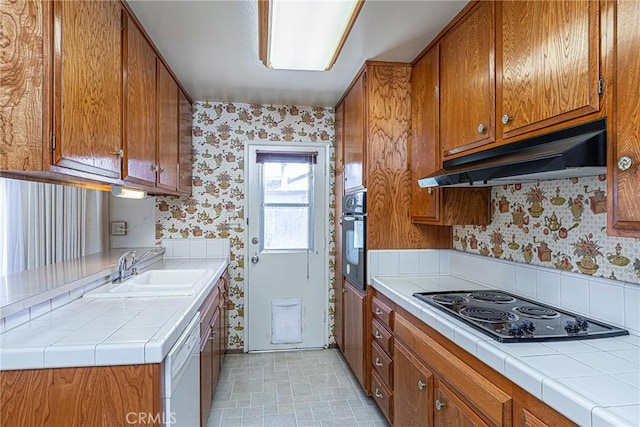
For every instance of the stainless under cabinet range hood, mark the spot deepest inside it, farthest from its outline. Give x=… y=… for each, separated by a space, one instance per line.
x=577 y=151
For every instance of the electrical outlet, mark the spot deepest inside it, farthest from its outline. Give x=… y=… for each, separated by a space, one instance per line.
x=118 y=228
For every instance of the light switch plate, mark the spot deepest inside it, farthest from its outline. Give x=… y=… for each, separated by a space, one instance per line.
x=118 y=228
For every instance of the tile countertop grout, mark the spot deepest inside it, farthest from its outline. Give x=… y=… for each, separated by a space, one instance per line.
x=48 y=282
x=573 y=377
x=107 y=331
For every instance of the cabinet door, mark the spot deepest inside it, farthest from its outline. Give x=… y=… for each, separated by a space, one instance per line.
x=88 y=86
x=216 y=327
x=413 y=389
x=425 y=203
x=354 y=336
x=185 y=149
x=354 y=136
x=548 y=58
x=339 y=138
x=338 y=317
x=624 y=164
x=167 y=129
x=140 y=107
x=467 y=84
x=451 y=411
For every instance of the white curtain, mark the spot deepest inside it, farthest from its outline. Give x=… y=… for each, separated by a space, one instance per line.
x=47 y=223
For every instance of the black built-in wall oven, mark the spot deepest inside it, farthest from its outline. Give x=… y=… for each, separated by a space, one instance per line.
x=354 y=232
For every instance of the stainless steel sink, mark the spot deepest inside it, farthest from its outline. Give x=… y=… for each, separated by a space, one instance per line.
x=156 y=283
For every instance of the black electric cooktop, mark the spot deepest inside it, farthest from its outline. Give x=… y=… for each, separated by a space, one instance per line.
x=511 y=318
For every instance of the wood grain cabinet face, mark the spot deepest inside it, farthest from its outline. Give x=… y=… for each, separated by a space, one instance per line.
x=88 y=89
x=354 y=338
x=547 y=63
x=624 y=160
x=339 y=138
x=451 y=410
x=413 y=389
x=167 y=129
x=354 y=136
x=467 y=82
x=185 y=149
x=140 y=103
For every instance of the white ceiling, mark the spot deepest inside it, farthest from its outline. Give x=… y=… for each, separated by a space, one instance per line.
x=212 y=46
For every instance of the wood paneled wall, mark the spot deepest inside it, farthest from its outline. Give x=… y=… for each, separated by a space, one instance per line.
x=388 y=164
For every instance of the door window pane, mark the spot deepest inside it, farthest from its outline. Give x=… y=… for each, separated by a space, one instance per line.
x=287 y=209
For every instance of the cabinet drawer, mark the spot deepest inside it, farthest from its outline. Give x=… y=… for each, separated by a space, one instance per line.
x=382 y=312
x=382 y=395
x=382 y=364
x=382 y=337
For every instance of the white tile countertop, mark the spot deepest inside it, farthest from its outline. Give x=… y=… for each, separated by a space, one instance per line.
x=113 y=331
x=594 y=382
x=28 y=288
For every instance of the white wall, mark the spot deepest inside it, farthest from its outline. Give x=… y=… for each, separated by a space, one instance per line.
x=140 y=216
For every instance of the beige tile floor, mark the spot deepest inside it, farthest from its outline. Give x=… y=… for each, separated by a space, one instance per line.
x=294 y=388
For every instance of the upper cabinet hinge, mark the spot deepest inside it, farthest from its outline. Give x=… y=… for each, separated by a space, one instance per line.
x=52 y=139
x=600 y=86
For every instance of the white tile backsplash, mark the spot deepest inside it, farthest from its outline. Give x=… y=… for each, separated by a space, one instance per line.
x=388 y=263
x=490 y=273
x=181 y=248
x=548 y=287
x=526 y=281
x=506 y=276
x=430 y=261
x=409 y=263
x=632 y=307
x=606 y=300
x=574 y=292
x=16 y=319
x=196 y=248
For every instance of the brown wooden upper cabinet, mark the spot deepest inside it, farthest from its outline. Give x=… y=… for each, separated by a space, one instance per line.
x=467 y=82
x=437 y=206
x=624 y=129
x=140 y=118
x=87 y=116
x=339 y=138
x=168 y=131
x=354 y=135
x=185 y=149
x=547 y=60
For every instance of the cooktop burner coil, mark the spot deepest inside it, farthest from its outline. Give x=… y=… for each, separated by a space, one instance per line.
x=536 y=312
x=488 y=314
x=450 y=299
x=492 y=296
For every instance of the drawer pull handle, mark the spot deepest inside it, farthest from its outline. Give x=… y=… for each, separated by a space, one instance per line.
x=378 y=362
x=378 y=394
x=421 y=385
x=377 y=334
x=378 y=312
x=439 y=405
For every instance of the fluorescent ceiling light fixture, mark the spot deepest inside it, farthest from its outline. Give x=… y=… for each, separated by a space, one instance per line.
x=127 y=193
x=304 y=34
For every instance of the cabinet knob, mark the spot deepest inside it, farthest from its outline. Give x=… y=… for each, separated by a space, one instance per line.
x=378 y=394
x=154 y=168
x=439 y=405
x=119 y=153
x=506 y=119
x=378 y=362
x=378 y=311
x=160 y=170
x=624 y=163
x=377 y=334
x=421 y=385
x=481 y=128
x=344 y=291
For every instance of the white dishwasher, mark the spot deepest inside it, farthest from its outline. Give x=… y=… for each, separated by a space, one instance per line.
x=182 y=379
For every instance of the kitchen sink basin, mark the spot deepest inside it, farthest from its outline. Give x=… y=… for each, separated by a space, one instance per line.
x=156 y=283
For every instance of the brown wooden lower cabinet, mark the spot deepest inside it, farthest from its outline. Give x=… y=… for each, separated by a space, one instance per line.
x=354 y=349
x=88 y=396
x=436 y=383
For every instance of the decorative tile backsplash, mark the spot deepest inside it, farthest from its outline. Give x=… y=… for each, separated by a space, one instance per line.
x=559 y=224
x=216 y=208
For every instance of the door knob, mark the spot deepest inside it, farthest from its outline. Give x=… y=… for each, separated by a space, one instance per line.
x=439 y=405
x=255 y=259
x=254 y=240
x=624 y=163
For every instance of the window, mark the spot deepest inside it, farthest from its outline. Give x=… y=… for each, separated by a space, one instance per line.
x=286 y=201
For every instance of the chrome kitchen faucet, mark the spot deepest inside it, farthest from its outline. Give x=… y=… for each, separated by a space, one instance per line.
x=127 y=264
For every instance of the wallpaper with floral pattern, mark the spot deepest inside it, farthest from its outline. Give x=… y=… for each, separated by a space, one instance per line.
x=560 y=224
x=216 y=206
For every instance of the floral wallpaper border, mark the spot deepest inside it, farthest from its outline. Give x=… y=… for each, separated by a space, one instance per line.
x=216 y=207
x=559 y=224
